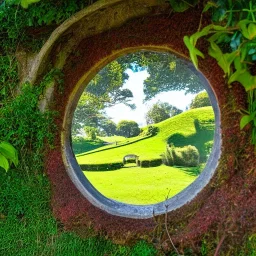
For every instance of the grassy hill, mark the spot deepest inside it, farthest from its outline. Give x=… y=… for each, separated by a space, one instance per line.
x=193 y=127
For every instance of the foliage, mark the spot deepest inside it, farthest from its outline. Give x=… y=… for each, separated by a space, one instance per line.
x=161 y=111
x=128 y=128
x=103 y=91
x=27 y=226
x=27 y=30
x=90 y=132
x=201 y=100
x=23 y=124
x=181 y=156
x=108 y=126
x=149 y=130
x=146 y=163
x=8 y=155
x=102 y=167
x=232 y=43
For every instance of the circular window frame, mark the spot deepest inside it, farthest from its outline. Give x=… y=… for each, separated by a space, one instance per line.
x=129 y=210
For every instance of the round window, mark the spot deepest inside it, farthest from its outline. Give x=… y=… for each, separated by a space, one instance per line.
x=145 y=135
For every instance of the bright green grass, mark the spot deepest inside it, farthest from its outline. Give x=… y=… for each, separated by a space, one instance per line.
x=135 y=185
x=182 y=124
x=27 y=226
x=112 y=139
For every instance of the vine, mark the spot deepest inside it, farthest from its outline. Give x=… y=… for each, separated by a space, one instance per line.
x=232 y=43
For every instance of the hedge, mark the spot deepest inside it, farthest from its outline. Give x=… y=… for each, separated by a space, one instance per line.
x=150 y=163
x=101 y=167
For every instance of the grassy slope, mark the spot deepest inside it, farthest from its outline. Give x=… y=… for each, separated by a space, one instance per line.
x=181 y=125
x=126 y=184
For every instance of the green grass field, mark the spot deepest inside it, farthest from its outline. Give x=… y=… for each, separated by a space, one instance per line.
x=135 y=185
x=177 y=127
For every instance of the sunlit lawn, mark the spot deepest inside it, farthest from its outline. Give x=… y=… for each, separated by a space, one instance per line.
x=137 y=185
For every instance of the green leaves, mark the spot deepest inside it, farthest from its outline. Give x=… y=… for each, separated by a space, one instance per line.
x=8 y=155
x=26 y=3
x=193 y=51
x=249 y=32
x=224 y=60
x=246 y=119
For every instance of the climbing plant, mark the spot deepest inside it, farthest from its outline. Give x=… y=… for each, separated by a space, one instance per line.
x=232 y=43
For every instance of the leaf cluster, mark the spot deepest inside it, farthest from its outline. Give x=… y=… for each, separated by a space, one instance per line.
x=23 y=124
x=232 y=43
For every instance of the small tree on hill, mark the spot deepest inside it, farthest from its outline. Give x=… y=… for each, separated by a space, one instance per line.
x=109 y=127
x=201 y=100
x=161 y=111
x=128 y=128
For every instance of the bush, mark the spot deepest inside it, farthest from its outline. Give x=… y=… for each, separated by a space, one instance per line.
x=167 y=156
x=208 y=147
x=201 y=100
x=150 y=163
x=101 y=167
x=149 y=131
x=185 y=156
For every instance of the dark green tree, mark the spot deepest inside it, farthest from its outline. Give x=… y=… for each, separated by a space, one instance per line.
x=108 y=126
x=161 y=111
x=128 y=128
x=201 y=100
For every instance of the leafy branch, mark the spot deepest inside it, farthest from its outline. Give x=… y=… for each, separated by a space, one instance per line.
x=234 y=48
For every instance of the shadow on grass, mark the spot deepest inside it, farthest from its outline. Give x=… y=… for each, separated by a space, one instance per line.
x=192 y=171
x=204 y=133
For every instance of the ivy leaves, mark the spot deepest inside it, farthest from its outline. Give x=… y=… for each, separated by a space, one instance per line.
x=235 y=60
x=8 y=155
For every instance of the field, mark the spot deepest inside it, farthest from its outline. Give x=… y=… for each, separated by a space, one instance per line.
x=128 y=186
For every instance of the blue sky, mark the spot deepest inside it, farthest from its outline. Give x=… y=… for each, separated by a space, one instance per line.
x=135 y=84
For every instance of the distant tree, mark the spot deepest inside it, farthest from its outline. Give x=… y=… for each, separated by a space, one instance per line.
x=201 y=100
x=108 y=126
x=161 y=111
x=128 y=128
x=91 y=132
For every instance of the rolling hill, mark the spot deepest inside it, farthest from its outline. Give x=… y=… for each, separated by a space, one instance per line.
x=193 y=127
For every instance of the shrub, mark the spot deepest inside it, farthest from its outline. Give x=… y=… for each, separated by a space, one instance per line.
x=167 y=156
x=149 y=131
x=150 y=163
x=201 y=100
x=181 y=156
x=102 y=167
x=208 y=147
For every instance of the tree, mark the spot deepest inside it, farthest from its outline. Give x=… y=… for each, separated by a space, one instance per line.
x=128 y=128
x=91 y=132
x=104 y=90
x=201 y=100
x=161 y=111
x=166 y=73
x=108 y=126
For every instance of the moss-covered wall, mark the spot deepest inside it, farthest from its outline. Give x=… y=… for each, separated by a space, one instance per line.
x=225 y=209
